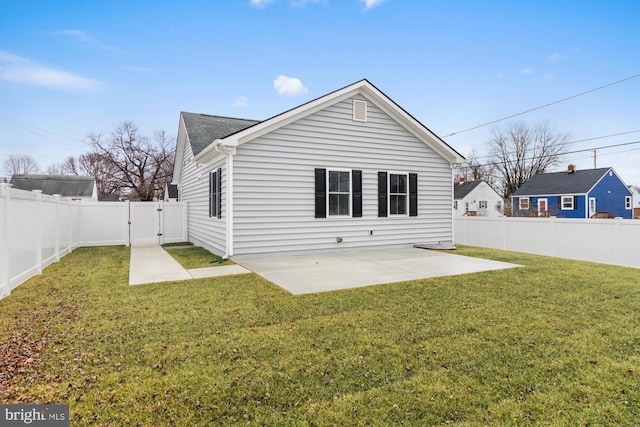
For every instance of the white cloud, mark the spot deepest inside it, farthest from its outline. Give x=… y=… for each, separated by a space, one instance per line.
x=260 y=3
x=14 y=68
x=289 y=86
x=85 y=39
x=370 y=4
x=241 y=102
x=526 y=71
x=557 y=57
x=548 y=77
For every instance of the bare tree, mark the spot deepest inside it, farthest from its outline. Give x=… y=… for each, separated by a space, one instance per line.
x=474 y=170
x=20 y=164
x=520 y=151
x=105 y=173
x=137 y=164
x=55 y=169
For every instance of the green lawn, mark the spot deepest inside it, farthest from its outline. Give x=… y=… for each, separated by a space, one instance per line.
x=555 y=342
x=190 y=256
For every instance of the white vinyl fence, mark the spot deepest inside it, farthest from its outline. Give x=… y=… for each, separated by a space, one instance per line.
x=36 y=229
x=607 y=241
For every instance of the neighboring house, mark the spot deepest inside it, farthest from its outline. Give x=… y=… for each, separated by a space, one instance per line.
x=574 y=194
x=476 y=198
x=68 y=187
x=350 y=169
x=635 y=201
x=170 y=192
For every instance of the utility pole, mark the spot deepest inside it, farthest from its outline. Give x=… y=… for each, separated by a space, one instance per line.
x=594 y=159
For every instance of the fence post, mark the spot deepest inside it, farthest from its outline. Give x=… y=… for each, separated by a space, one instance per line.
x=56 y=250
x=38 y=227
x=4 y=240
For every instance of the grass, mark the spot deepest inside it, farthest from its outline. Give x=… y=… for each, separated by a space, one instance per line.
x=555 y=342
x=190 y=256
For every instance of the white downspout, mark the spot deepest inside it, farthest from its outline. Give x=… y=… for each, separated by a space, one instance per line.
x=229 y=151
x=229 y=212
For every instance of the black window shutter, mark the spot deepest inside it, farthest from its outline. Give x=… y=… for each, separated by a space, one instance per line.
x=356 y=184
x=382 y=194
x=575 y=202
x=219 y=192
x=413 y=194
x=321 y=193
x=210 y=194
x=559 y=202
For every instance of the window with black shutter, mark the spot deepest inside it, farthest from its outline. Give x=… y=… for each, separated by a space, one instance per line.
x=215 y=194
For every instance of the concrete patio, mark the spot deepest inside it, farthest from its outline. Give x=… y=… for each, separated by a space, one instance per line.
x=304 y=274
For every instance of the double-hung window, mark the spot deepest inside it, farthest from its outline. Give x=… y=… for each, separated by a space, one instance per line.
x=523 y=203
x=567 y=203
x=339 y=199
x=398 y=198
x=627 y=202
x=482 y=204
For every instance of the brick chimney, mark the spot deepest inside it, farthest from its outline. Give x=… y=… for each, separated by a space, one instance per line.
x=571 y=168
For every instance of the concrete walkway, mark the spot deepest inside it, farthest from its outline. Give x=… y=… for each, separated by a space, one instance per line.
x=152 y=264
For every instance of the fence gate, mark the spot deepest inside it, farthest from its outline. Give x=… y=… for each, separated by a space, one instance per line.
x=156 y=222
x=144 y=223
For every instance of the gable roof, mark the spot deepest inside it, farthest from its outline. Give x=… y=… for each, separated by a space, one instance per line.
x=66 y=186
x=203 y=129
x=557 y=183
x=362 y=87
x=460 y=191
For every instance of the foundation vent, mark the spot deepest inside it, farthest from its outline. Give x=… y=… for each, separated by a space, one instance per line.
x=359 y=111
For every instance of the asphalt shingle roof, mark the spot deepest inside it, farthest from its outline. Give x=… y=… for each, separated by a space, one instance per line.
x=203 y=129
x=66 y=186
x=578 y=182
x=460 y=191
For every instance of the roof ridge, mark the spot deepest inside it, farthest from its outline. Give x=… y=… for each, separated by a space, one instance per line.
x=219 y=116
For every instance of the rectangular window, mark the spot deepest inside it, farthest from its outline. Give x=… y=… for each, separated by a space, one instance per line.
x=398 y=193
x=523 y=203
x=339 y=199
x=482 y=204
x=627 y=202
x=567 y=203
x=215 y=194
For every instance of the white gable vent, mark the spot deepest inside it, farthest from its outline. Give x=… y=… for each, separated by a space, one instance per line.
x=359 y=111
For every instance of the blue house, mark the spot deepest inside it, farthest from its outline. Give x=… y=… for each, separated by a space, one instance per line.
x=574 y=194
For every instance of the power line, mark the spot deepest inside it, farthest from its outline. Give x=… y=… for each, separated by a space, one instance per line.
x=573 y=152
x=30 y=128
x=580 y=140
x=543 y=106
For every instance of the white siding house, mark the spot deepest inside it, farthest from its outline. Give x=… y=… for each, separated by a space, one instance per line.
x=347 y=170
x=476 y=198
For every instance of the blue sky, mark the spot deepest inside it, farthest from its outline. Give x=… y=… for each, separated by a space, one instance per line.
x=71 y=67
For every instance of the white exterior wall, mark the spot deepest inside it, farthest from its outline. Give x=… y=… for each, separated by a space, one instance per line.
x=203 y=231
x=482 y=192
x=274 y=194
